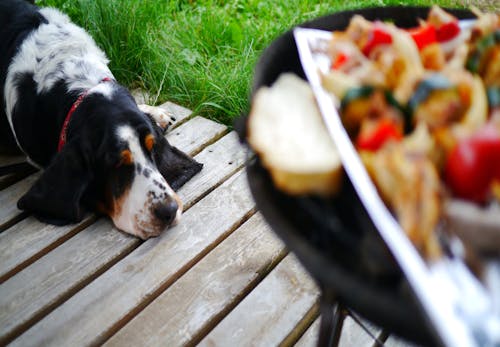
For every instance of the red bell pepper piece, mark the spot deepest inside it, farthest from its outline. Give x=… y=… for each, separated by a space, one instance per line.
x=373 y=138
x=474 y=164
x=339 y=60
x=378 y=36
x=423 y=35
x=447 y=31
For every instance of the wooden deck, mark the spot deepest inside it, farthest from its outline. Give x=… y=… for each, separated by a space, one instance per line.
x=218 y=278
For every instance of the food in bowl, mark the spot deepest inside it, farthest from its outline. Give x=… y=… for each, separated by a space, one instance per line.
x=416 y=103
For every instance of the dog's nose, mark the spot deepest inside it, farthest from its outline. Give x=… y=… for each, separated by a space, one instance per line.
x=166 y=211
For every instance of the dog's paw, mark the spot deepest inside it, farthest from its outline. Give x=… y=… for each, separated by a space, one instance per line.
x=162 y=117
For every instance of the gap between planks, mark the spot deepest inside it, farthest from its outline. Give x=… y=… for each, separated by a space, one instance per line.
x=302 y=326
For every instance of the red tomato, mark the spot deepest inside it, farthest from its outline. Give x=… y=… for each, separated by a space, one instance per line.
x=378 y=36
x=423 y=35
x=447 y=31
x=474 y=164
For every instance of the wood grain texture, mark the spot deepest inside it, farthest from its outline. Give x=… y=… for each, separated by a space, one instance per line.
x=30 y=238
x=270 y=312
x=208 y=289
x=89 y=316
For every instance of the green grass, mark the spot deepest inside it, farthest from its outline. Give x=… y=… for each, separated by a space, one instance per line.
x=199 y=54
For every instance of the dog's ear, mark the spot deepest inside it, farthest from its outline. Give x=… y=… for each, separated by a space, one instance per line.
x=175 y=166
x=56 y=197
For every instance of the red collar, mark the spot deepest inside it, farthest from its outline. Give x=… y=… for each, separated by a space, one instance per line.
x=64 y=129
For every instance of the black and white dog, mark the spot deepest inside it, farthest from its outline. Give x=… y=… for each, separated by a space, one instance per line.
x=61 y=106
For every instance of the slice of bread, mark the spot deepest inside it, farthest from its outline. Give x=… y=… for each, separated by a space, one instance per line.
x=287 y=131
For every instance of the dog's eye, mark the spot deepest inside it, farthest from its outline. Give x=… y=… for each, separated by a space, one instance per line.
x=149 y=142
x=126 y=158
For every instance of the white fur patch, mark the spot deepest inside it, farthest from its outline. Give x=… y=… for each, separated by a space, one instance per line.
x=57 y=50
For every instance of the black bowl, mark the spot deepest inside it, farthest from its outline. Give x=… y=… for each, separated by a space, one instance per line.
x=334 y=238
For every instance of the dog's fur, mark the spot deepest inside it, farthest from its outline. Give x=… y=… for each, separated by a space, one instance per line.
x=114 y=159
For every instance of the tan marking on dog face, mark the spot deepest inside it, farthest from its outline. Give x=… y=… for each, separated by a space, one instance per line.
x=114 y=206
x=149 y=142
x=127 y=157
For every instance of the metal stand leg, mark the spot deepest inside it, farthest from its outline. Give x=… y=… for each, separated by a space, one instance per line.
x=332 y=319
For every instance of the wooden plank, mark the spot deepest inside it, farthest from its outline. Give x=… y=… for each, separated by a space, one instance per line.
x=207 y=291
x=90 y=316
x=187 y=136
x=270 y=312
x=22 y=307
x=310 y=337
x=29 y=239
x=354 y=335
x=224 y=158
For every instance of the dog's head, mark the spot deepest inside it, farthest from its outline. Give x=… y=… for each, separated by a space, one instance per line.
x=118 y=162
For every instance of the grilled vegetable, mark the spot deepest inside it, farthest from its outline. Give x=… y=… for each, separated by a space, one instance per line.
x=493 y=97
x=447 y=31
x=480 y=55
x=437 y=102
x=364 y=102
x=374 y=134
x=426 y=87
x=377 y=36
x=423 y=35
x=355 y=94
x=340 y=59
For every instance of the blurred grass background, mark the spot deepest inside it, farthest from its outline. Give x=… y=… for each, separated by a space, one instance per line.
x=199 y=54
